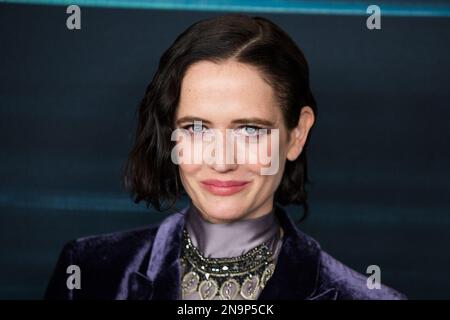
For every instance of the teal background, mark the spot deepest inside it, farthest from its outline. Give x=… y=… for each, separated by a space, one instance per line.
x=379 y=154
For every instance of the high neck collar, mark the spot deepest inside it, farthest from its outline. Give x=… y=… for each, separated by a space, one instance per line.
x=220 y=240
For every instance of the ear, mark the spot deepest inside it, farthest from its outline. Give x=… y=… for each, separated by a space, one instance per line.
x=299 y=134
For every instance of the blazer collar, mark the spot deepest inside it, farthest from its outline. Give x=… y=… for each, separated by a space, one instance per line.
x=159 y=275
x=295 y=276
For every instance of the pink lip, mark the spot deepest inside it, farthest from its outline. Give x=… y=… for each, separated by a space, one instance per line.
x=224 y=188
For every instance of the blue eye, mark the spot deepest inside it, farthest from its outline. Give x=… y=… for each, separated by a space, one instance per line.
x=252 y=131
x=196 y=128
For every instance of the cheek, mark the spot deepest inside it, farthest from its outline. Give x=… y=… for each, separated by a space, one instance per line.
x=188 y=169
x=265 y=184
x=187 y=173
x=268 y=151
x=272 y=154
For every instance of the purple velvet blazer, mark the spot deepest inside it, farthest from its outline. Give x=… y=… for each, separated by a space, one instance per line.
x=143 y=264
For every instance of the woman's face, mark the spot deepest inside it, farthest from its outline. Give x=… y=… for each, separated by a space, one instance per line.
x=234 y=96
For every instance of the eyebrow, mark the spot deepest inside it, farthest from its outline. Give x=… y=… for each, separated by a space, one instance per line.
x=259 y=121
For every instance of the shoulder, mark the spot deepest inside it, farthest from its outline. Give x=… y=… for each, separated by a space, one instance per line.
x=350 y=284
x=102 y=261
x=112 y=245
x=106 y=262
x=128 y=241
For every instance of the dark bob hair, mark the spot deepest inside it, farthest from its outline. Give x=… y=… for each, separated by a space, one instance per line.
x=149 y=173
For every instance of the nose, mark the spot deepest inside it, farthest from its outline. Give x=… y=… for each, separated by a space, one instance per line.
x=223 y=152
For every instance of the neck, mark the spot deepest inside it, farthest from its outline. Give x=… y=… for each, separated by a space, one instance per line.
x=230 y=239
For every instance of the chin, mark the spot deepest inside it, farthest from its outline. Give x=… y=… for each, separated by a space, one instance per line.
x=223 y=212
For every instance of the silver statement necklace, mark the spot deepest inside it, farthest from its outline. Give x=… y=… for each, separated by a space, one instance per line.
x=225 y=277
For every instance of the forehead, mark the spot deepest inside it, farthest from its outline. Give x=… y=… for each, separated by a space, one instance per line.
x=221 y=92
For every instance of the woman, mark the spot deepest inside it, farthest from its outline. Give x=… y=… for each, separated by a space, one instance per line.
x=242 y=81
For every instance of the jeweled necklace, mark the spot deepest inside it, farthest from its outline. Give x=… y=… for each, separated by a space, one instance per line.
x=225 y=277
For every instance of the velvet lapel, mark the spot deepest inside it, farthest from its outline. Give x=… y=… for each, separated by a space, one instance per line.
x=295 y=277
x=160 y=278
x=297 y=269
